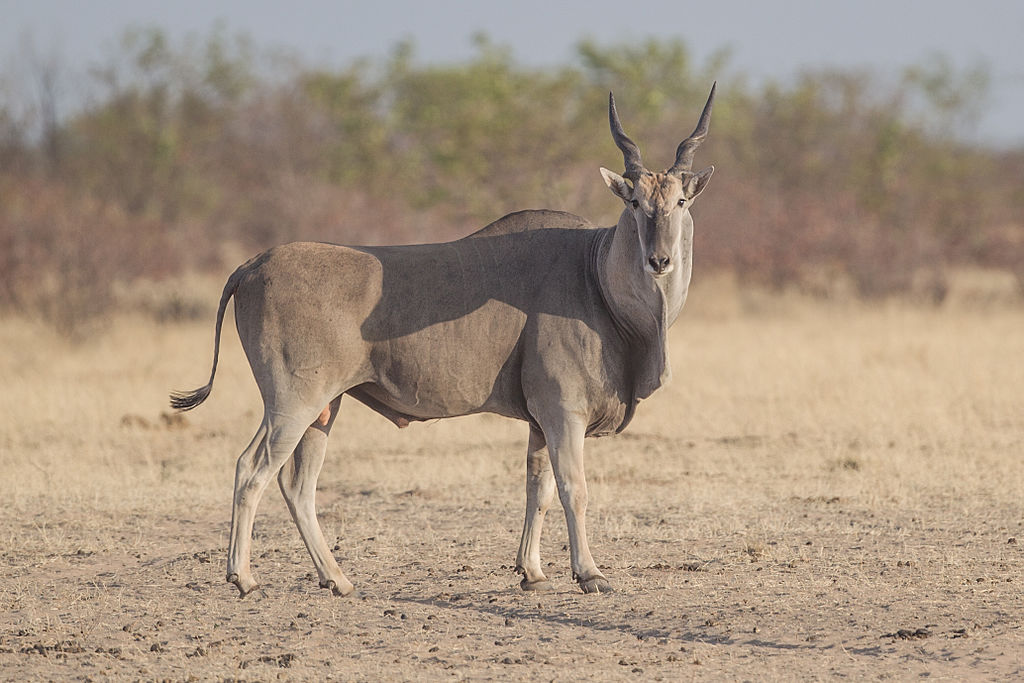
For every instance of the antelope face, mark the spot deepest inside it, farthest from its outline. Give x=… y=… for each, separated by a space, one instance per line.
x=660 y=202
x=660 y=206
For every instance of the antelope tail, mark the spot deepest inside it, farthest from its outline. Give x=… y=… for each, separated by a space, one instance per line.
x=187 y=400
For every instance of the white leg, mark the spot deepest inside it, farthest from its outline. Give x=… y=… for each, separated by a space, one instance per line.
x=297 y=480
x=540 y=490
x=565 y=448
x=270 y=448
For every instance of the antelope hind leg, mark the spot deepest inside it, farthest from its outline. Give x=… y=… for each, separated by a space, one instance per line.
x=297 y=480
x=269 y=449
x=540 y=490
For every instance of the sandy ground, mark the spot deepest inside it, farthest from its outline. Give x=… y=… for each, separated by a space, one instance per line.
x=823 y=492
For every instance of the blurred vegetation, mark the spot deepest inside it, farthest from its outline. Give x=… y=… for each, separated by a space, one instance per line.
x=834 y=179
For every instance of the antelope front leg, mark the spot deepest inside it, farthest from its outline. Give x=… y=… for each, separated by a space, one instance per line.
x=540 y=490
x=565 y=449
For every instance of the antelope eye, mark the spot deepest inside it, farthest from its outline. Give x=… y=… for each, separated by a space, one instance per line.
x=682 y=202
x=635 y=204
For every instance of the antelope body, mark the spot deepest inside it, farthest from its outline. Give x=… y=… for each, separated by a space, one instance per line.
x=540 y=316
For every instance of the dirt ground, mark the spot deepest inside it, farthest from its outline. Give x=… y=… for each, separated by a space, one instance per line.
x=824 y=491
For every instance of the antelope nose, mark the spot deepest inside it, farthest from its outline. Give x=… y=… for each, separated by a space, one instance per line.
x=659 y=264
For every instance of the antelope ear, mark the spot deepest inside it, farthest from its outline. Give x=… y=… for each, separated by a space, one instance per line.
x=617 y=184
x=694 y=183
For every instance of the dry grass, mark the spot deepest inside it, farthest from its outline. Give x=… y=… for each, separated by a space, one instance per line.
x=822 y=490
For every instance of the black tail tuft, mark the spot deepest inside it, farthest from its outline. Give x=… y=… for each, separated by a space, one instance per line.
x=187 y=400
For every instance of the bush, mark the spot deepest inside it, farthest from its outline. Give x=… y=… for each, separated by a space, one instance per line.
x=184 y=149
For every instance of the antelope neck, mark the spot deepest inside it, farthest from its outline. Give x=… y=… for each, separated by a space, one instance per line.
x=641 y=305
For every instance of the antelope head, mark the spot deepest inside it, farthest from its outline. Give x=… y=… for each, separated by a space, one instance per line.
x=660 y=202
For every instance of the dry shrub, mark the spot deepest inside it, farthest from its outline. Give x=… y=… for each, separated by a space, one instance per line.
x=831 y=184
x=60 y=254
x=293 y=208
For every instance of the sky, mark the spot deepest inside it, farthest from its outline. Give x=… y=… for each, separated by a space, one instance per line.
x=768 y=39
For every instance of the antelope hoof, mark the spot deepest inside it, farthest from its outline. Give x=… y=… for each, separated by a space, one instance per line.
x=598 y=584
x=345 y=590
x=538 y=585
x=244 y=588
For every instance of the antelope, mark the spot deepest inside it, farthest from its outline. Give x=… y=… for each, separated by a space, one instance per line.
x=540 y=316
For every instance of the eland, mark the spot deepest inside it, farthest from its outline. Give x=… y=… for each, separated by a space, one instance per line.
x=540 y=316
